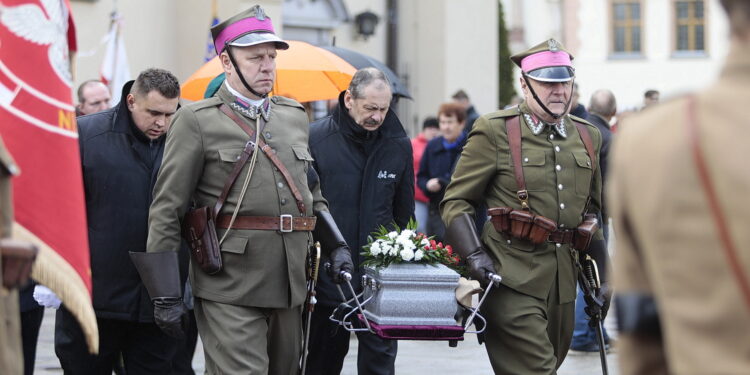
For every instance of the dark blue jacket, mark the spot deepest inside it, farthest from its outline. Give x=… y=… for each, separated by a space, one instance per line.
x=367 y=178
x=438 y=162
x=119 y=164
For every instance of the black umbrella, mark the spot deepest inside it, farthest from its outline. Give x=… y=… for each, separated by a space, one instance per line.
x=360 y=61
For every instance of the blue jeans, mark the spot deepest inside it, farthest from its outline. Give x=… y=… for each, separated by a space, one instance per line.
x=584 y=336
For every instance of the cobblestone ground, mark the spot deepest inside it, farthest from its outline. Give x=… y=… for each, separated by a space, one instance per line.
x=414 y=357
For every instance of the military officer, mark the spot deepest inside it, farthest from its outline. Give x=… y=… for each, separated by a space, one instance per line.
x=249 y=313
x=530 y=314
x=670 y=253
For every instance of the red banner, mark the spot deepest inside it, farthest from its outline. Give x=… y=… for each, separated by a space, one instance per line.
x=37 y=123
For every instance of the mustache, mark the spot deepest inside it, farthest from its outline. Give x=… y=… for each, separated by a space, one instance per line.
x=371 y=122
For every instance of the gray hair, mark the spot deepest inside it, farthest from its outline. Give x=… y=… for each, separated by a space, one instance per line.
x=603 y=103
x=365 y=77
x=156 y=79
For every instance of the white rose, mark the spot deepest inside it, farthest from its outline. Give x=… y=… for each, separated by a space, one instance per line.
x=418 y=255
x=407 y=254
x=393 y=251
x=424 y=242
x=406 y=233
x=375 y=248
x=393 y=235
x=385 y=248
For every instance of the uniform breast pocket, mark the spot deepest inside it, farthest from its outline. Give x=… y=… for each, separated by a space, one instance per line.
x=302 y=162
x=583 y=173
x=229 y=158
x=534 y=171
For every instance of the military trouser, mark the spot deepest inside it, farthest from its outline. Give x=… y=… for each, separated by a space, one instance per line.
x=527 y=335
x=249 y=340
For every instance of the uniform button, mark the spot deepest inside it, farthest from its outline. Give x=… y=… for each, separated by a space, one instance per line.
x=280 y=185
x=562 y=206
x=525 y=160
x=558 y=168
x=557 y=148
x=588 y=163
x=558 y=244
x=562 y=225
x=283 y=201
x=559 y=186
x=267 y=135
x=508 y=242
x=551 y=137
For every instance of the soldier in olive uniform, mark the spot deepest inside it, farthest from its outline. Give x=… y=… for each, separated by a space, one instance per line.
x=530 y=314
x=249 y=313
x=681 y=306
x=11 y=355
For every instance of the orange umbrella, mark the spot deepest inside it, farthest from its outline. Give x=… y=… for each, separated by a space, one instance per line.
x=303 y=72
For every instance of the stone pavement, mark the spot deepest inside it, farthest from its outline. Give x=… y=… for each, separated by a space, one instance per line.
x=414 y=357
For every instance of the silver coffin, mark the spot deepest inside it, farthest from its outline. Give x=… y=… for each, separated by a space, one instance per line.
x=411 y=294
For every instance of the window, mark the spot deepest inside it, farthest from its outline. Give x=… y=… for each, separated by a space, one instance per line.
x=690 y=26
x=626 y=26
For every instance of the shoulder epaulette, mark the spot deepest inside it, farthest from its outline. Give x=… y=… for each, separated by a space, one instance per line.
x=280 y=100
x=508 y=112
x=205 y=103
x=580 y=120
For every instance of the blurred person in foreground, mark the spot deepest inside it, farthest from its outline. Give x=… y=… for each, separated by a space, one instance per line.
x=430 y=130
x=679 y=175
x=249 y=308
x=362 y=156
x=541 y=200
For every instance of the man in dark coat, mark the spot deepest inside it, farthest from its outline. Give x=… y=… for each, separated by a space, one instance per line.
x=121 y=151
x=462 y=98
x=363 y=159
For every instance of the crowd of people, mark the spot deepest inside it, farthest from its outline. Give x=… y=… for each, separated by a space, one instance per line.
x=201 y=217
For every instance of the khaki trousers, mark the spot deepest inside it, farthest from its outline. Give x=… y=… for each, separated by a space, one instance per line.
x=249 y=340
x=527 y=335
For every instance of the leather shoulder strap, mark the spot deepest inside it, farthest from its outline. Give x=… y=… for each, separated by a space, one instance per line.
x=713 y=202
x=583 y=132
x=270 y=154
x=513 y=128
x=244 y=157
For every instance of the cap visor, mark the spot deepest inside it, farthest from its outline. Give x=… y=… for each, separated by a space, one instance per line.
x=552 y=74
x=252 y=39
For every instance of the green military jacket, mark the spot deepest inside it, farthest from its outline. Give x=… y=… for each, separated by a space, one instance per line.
x=559 y=178
x=262 y=268
x=11 y=355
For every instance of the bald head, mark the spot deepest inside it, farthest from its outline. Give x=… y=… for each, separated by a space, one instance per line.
x=603 y=103
x=93 y=96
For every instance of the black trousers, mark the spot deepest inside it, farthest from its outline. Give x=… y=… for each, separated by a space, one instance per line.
x=329 y=344
x=31 y=321
x=182 y=362
x=145 y=348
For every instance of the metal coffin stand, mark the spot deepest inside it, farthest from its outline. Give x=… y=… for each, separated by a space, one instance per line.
x=406 y=301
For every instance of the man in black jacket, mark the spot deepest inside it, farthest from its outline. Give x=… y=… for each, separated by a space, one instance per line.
x=121 y=151
x=363 y=159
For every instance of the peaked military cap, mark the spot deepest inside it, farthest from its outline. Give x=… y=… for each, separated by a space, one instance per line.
x=247 y=28
x=547 y=62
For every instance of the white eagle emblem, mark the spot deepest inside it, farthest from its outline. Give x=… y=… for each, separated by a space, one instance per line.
x=29 y=22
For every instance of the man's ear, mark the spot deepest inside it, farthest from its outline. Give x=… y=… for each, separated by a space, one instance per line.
x=130 y=100
x=226 y=63
x=348 y=99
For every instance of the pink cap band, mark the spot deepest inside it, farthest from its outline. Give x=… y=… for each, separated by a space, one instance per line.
x=240 y=27
x=545 y=59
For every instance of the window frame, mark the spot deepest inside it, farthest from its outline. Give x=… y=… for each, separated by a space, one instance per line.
x=690 y=53
x=628 y=24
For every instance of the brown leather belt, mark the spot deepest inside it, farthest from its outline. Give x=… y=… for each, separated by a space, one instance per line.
x=561 y=236
x=283 y=223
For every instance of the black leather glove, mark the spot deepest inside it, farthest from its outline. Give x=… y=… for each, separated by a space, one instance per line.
x=332 y=241
x=160 y=275
x=462 y=235
x=171 y=316
x=341 y=260
x=598 y=307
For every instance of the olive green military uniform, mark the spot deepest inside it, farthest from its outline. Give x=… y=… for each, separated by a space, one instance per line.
x=11 y=355
x=667 y=242
x=530 y=315
x=248 y=314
